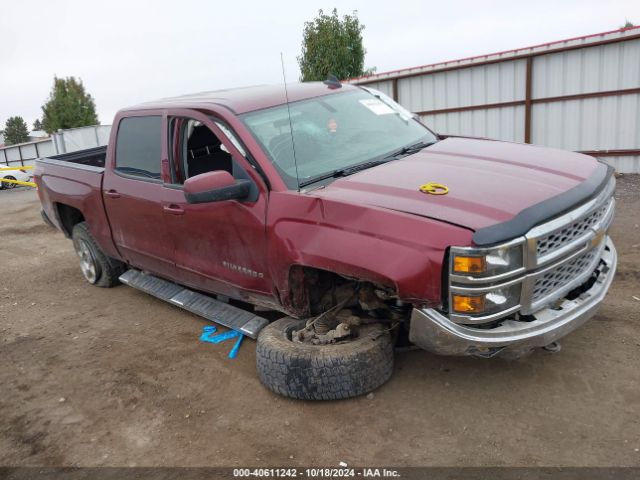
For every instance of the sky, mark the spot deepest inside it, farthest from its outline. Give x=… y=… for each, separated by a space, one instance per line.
x=127 y=52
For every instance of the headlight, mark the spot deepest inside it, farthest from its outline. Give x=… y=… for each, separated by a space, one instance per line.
x=486 y=262
x=483 y=281
x=486 y=303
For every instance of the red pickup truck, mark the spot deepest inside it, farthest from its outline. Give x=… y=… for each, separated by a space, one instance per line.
x=338 y=208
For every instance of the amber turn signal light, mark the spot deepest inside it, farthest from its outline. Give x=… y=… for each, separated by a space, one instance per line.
x=468 y=304
x=469 y=264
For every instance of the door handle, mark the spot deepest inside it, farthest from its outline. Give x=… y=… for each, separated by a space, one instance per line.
x=112 y=194
x=173 y=209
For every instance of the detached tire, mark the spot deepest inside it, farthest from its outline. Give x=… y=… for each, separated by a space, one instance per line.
x=96 y=267
x=323 y=372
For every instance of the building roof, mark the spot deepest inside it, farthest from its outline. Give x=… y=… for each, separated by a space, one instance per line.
x=245 y=99
x=542 y=48
x=38 y=134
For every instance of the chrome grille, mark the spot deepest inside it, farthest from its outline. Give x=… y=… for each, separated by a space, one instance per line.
x=558 y=256
x=561 y=276
x=565 y=235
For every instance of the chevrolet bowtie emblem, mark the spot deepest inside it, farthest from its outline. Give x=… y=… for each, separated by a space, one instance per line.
x=598 y=238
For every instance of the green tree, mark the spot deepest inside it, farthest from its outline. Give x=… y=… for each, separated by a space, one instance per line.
x=37 y=125
x=331 y=45
x=627 y=24
x=16 y=131
x=69 y=106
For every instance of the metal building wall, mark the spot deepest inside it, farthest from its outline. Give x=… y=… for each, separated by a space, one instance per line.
x=580 y=94
x=593 y=123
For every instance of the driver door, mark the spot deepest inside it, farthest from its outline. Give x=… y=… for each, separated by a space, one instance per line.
x=220 y=247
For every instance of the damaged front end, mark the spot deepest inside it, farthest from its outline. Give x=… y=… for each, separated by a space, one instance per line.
x=345 y=307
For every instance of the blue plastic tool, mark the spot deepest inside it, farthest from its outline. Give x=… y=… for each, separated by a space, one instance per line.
x=208 y=336
x=236 y=346
x=207 y=332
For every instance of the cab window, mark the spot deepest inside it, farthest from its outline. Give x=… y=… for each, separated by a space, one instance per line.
x=195 y=150
x=138 y=147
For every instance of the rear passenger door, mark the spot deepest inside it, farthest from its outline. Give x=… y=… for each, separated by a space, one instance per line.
x=219 y=246
x=133 y=192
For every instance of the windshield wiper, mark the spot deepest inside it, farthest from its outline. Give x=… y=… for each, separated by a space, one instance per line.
x=409 y=150
x=343 y=172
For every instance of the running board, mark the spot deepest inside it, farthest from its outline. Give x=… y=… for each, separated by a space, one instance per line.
x=203 y=305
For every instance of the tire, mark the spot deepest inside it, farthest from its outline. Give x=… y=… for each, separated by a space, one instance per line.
x=8 y=186
x=323 y=372
x=97 y=268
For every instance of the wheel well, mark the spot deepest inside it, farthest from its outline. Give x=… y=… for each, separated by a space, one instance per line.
x=69 y=217
x=309 y=288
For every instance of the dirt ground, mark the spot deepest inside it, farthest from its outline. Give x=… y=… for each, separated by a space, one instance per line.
x=92 y=377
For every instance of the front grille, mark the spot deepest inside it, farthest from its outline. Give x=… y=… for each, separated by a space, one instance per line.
x=559 y=238
x=561 y=276
x=558 y=256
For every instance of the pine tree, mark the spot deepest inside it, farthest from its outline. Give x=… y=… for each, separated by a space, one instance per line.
x=69 y=106
x=15 y=131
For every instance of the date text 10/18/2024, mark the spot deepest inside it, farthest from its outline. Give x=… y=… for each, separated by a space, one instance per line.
x=315 y=473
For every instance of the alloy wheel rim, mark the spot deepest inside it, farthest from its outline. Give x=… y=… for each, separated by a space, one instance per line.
x=87 y=262
x=8 y=185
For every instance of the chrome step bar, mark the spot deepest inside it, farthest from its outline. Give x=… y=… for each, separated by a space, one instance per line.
x=203 y=305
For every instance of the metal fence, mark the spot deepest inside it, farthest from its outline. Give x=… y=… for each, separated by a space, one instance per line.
x=63 y=141
x=25 y=153
x=579 y=94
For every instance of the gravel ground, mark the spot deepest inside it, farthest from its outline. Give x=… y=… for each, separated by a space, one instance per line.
x=95 y=377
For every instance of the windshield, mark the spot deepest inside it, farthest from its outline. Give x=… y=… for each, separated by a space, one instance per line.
x=334 y=132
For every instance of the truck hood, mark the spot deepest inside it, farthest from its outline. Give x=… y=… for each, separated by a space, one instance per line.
x=489 y=182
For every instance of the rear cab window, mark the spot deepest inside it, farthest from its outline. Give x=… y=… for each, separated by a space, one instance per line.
x=138 y=147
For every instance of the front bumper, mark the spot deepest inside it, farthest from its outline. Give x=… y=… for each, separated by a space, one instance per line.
x=434 y=332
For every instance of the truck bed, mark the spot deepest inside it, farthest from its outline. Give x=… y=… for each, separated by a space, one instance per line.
x=93 y=157
x=69 y=185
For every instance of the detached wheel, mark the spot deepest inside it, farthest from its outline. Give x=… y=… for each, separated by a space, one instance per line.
x=96 y=267
x=323 y=372
x=8 y=185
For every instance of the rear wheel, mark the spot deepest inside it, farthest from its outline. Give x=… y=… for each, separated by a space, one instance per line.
x=8 y=185
x=323 y=372
x=97 y=268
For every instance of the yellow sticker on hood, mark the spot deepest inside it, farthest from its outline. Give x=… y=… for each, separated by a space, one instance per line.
x=434 y=188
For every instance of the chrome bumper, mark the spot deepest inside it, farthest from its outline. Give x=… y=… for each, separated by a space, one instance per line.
x=434 y=332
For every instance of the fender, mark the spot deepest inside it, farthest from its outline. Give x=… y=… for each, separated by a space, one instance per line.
x=395 y=249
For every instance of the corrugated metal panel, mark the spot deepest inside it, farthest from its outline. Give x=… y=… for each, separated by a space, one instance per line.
x=626 y=164
x=104 y=131
x=28 y=151
x=45 y=149
x=13 y=154
x=80 y=138
x=498 y=123
x=608 y=123
x=607 y=67
x=536 y=49
x=604 y=69
x=500 y=82
x=384 y=87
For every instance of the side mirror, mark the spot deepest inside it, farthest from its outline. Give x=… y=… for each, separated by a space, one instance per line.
x=215 y=186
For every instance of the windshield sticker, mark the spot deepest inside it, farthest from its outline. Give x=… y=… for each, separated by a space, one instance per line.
x=332 y=125
x=377 y=107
